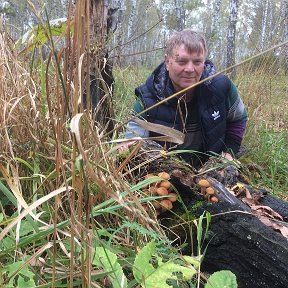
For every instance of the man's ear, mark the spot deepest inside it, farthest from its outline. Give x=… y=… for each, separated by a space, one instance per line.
x=166 y=60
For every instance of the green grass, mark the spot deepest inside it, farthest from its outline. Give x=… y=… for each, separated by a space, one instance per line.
x=126 y=80
x=270 y=152
x=264 y=92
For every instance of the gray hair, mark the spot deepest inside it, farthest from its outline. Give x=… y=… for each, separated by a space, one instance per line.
x=193 y=42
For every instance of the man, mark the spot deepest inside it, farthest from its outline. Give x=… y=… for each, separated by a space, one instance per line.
x=211 y=115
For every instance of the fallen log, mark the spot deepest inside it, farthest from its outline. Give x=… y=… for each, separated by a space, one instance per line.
x=251 y=241
x=238 y=241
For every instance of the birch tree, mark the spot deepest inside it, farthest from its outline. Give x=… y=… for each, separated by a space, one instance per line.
x=231 y=35
x=212 y=33
x=131 y=20
x=285 y=34
x=180 y=14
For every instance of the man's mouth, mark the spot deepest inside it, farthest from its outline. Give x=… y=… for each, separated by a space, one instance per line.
x=189 y=78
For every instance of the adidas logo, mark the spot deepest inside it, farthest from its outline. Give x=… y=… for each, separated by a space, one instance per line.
x=215 y=115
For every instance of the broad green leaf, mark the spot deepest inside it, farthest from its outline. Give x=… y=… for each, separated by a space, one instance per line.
x=21 y=283
x=37 y=36
x=25 y=228
x=222 y=279
x=7 y=243
x=150 y=277
x=25 y=271
x=108 y=261
x=142 y=268
x=165 y=271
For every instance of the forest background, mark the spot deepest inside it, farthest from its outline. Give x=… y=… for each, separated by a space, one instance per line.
x=39 y=162
x=141 y=27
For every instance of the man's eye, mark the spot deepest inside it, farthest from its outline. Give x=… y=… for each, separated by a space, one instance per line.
x=181 y=62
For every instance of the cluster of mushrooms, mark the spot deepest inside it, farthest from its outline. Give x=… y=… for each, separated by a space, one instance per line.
x=161 y=188
x=165 y=189
x=207 y=191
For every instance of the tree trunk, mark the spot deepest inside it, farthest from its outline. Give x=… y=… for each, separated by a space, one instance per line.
x=285 y=33
x=180 y=14
x=231 y=36
x=101 y=78
x=237 y=240
x=213 y=31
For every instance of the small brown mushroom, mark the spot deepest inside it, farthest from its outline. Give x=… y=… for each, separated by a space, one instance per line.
x=166 y=205
x=214 y=199
x=153 y=190
x=203 y=183
x=156 y=205
x=210 y=191
x=162 y=191
x=164 y=175
x=172 y=197
x=165 y=184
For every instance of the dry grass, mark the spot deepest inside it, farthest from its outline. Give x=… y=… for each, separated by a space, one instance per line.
x=46 y=145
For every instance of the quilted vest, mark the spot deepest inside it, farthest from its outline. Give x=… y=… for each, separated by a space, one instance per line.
x=211 y=106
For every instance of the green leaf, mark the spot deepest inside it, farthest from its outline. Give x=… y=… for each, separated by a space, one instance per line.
x=142 y=269
x=38 y=35
x=167 y=271
x=21 y=283
x=25 y=228
x=150 y=277
x=222 y=279
x=194 y=260
x=145 y=183
x=25 y=271
x=107 y=260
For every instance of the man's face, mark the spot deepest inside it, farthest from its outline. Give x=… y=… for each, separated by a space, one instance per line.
x=185 y=69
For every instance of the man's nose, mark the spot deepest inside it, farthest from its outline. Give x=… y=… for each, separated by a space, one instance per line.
x=190 y=67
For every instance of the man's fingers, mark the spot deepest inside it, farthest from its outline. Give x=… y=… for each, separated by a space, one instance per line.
x=123 y=147
x=227 y=156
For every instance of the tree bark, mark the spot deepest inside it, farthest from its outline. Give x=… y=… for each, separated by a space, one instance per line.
x=180 y=14
x=285 y=35
x=101 y=78
x=231 y=35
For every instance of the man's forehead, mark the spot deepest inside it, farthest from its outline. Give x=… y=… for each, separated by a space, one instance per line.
x=195 y=54
x=181 y=50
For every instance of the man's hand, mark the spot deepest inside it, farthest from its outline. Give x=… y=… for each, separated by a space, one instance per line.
x=227 y=156
x=124 y=146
